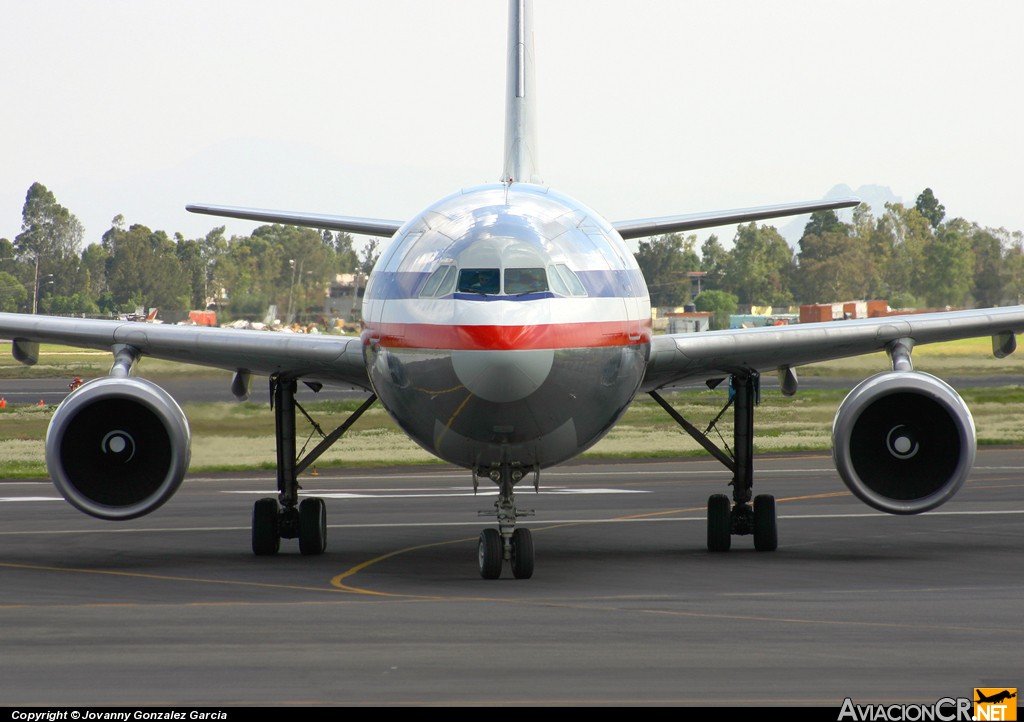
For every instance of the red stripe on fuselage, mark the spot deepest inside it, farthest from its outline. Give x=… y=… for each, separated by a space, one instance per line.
x=504 y=338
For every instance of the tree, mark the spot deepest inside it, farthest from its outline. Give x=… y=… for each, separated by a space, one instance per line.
x=306 y=266
x=1013 y=262
x=929 y=207
x=713 y=257
x=286 y=266
x=760 y=266
x=664 y=261
x=822 y=222
x=346 y=258
x=989 y=276
x=48 y=229
x=370 y=255
x=948 y=266
x=198 y=260
x=907 y=234
x=720 y=303
x=143 y=270
x=877 y=253
x=94 y=266
x=213 y=247
x=250 y=271
x=49 y=243
x=76 y=304
x=12 y=293
x=835 y=263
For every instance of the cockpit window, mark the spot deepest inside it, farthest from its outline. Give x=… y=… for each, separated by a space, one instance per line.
x=447 y=284
x=440 y=282
x=557 y=284
x=570 y=279
x=485 y=281
x=519 y=281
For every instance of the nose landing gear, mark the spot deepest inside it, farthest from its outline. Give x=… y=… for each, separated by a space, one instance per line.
x=506 y=543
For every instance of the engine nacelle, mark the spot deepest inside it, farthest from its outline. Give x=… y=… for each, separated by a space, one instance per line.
x=118 y=448
x=903 y=442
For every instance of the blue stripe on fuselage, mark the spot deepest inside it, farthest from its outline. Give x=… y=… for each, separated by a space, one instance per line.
x=486 y=297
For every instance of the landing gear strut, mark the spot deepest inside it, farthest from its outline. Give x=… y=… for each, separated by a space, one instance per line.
x=737 y=518
x=285 y=517
x=506 y=543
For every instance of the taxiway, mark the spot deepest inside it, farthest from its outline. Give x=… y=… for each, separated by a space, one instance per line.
x=626 y=605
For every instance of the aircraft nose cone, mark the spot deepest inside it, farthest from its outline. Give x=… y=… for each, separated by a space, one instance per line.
x=503 y=376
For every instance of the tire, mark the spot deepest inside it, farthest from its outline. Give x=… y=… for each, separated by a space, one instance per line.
x=266 y=535
x=312 y=526
x=719 y=523
x=766 y=533
x=522 y=554
x=490 y=553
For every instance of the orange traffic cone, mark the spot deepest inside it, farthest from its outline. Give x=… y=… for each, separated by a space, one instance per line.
x=41 y=402
x=3 y=403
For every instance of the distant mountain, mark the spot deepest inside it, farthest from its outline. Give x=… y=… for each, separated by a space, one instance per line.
x=874 y=195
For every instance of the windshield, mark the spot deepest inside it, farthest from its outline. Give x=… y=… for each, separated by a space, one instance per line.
x=519 y=281
x=485 y=281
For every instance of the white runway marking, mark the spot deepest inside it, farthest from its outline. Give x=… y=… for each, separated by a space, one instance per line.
x=422 y=494
x=30 y=498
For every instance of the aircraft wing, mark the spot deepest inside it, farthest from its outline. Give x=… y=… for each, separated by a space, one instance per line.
x=349 y=224
x=692 y=221
x=679 y=357
x=324 y=358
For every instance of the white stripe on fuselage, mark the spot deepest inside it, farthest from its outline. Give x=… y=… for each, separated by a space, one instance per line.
x=506 y=313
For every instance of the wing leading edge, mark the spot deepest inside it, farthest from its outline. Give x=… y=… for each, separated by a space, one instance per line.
x=639 y=228
x=692 y=221
x=325 y=358
x=348 y=224
x=678 y=357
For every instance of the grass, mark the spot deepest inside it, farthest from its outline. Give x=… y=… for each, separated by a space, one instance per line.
x=67 y=362
x=966 y=357
x=802 y=422
x=241 y=435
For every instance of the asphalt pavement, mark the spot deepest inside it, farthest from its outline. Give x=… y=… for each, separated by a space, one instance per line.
x=626 y=606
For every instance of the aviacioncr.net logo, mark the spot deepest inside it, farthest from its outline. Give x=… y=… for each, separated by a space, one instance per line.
x=947 y=709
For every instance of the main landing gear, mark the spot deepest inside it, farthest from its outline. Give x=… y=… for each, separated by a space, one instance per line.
x=737 y=518
x=506 y=543
x=285 y=517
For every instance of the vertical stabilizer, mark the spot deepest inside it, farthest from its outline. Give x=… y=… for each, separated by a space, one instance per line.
x=520 y=94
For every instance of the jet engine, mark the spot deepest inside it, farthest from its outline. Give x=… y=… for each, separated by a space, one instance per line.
x=903 y=442
x=118 y=448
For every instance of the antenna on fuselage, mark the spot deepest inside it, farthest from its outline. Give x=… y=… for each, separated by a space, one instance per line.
x=520 y=89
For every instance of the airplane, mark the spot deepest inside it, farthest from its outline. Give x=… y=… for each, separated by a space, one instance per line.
x=996 y=698
x=507 y=329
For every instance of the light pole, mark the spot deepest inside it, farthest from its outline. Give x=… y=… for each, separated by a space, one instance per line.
x=291 y=288
x=35 y=287
x=48 y=278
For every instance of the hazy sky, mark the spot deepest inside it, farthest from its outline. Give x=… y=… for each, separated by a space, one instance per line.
x=377 y=109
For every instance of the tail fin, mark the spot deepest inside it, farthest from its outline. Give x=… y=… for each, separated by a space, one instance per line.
x=520 y=91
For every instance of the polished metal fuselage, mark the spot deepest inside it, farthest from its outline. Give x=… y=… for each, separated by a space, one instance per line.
x=530 y=378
